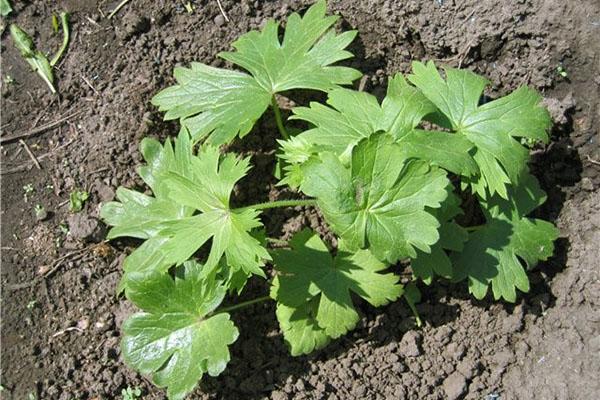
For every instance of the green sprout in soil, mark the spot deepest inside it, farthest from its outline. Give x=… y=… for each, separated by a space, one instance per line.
x=8 y=80
x=64 y=228
x=36 y=59
x=31 y=305
x=188 y=7
x=389 y=190
x=77 y=199
x=54 y=22
x=131 y=393
x=561 y=71
x=40 y=212
x=64 y=22
x=27 y=191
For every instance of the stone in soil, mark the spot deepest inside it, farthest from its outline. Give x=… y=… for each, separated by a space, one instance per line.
x=455 y=386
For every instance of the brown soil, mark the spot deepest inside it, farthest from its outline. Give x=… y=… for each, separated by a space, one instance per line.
x=60 y=334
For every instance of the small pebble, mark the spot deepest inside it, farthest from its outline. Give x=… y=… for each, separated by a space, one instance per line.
x=219 y=20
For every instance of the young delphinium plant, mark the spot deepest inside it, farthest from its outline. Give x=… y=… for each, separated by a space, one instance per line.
x=379 y=178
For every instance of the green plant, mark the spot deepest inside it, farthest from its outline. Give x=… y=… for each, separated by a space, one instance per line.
x=560 y=70
x=131 y=393
x=381 y=180
x=28 y=190
x=77 y=199
x=36 y=59
x=5 y=8
x=32 y=304
x=40 y=212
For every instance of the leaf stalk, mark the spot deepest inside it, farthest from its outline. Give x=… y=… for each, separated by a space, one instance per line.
x=279 y=203
x=243 y=304
x=278 y=119
x=64 y=21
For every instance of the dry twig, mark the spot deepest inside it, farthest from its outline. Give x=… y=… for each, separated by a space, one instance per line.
x=71 y=256
x=90 y=85
x=69 y=329
x=25 y=166
x=39 y=129
x=591 y=160
x=222 y=11
x=30 y=154
x=117 y=8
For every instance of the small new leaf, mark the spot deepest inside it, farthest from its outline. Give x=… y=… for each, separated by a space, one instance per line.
x=495 y=254
x=379 y=202
x=316 y=288
x=219 y=104
x=77 y=199
x=491 y=128
x=178 y=337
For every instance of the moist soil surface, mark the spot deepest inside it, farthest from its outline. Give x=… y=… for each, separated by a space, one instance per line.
x=60 y=312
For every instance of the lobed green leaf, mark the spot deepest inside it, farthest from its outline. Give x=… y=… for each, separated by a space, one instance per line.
x=491 y=127
x=190 y=207
x=379 y=202
x=314 y=290
x=177 y=338
x=220 y=104
x=496 y=253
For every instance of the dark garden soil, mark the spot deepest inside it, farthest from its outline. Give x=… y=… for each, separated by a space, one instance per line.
x=60 y=315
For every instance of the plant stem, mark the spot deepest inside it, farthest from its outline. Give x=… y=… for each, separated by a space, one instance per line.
x=243 y=304
x=117 y=8
x=64 y=21
x=278 y=119
x=278 y=241
x=279 y=203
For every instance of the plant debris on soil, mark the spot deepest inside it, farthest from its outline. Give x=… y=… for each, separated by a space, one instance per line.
x=60 y=313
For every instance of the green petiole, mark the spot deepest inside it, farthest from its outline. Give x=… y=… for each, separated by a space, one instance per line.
x=64 y=21
x=279 y=203
x=278 y=119
x=243 y=304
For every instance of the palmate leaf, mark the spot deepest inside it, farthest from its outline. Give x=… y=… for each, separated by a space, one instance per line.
x=452 y=238
x=353 y=116
x=220 y=104
x=213 y=101
x=496 y=253
x=491 y=128
x=177 y=338
x=190 y=207
x=380 y=201
x=301 y=331
x=313 y=290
